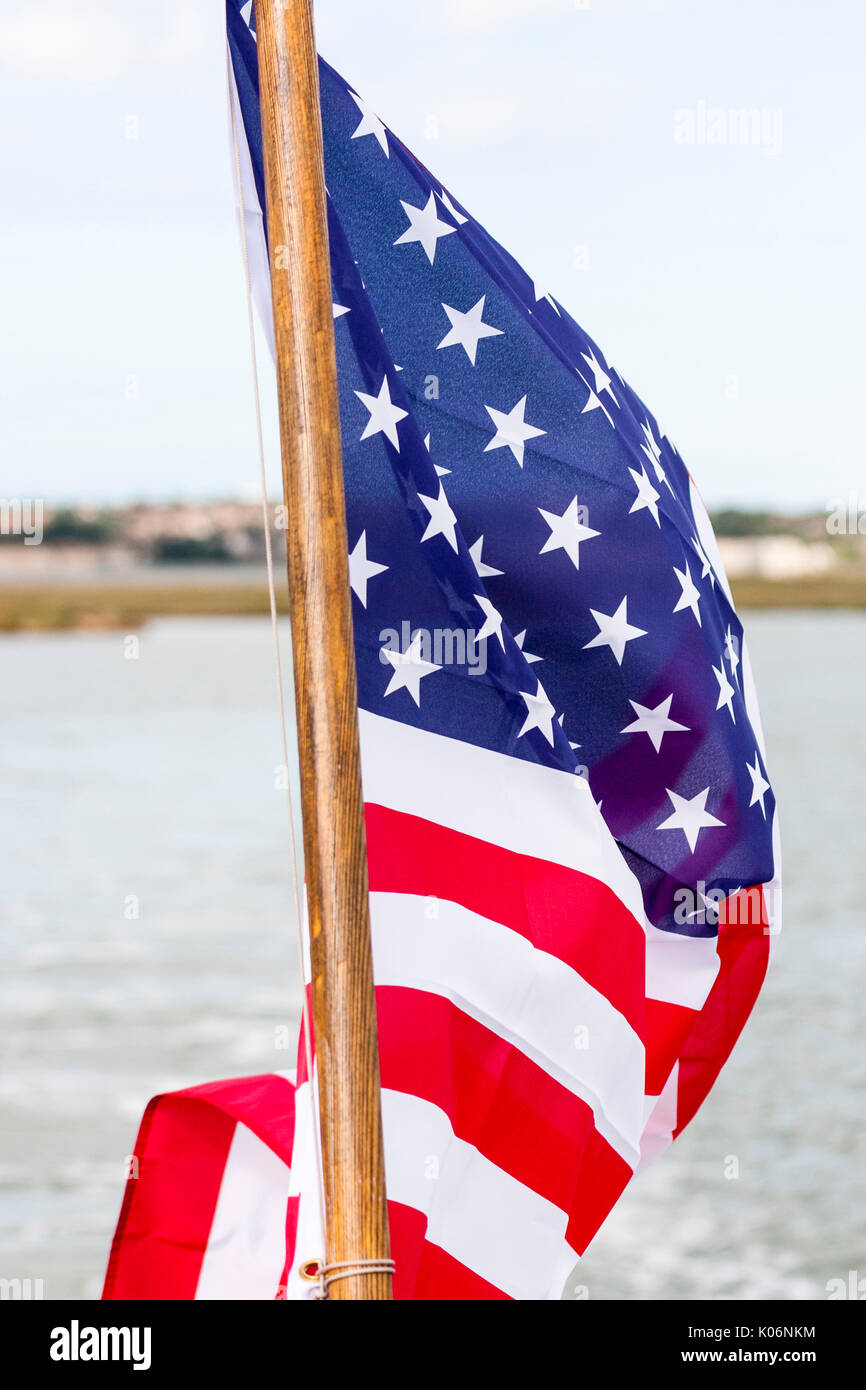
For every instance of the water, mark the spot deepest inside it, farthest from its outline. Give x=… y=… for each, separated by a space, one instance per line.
x=148 y=786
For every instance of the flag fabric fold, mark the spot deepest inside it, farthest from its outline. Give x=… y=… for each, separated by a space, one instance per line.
x=205 y=1208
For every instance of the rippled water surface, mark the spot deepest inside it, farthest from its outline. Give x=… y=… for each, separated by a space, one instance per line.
x=148 y=787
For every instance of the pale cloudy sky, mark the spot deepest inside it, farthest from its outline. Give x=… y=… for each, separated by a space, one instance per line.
x=726 y=283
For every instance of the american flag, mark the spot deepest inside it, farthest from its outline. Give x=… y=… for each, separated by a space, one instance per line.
x=570 y=821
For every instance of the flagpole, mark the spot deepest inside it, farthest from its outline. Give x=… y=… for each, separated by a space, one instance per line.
x=343 y=997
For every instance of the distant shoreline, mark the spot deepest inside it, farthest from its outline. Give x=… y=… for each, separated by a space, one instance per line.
x=109 y=605
x=125 y=607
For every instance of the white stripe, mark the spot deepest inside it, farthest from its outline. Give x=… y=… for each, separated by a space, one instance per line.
x=661 y=1120
x=707 y=538
x=484 y=1218
x=750 y=698
x=246 y=1248
x=305 y=1175
x=526 y=996
x=521 y=806
x=680 y=969
x=773 y=891
x=257 y=249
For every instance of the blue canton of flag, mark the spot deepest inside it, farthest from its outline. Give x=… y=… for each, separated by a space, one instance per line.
x=489 y=447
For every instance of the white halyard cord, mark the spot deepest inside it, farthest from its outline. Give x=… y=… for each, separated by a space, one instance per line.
x=299 y=913
x=348 y=1269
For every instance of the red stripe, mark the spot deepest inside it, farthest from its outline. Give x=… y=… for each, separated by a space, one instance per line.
x=744 y=949
x=503 y=1103
x=424 y=1271
x=667 y=1027
x=292 y=1212
x=167 y=1211
x=599 y=1181
x=569 y=914
x=265 y=1104
x=301 y=1066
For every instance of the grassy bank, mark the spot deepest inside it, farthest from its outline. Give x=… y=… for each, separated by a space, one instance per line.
x=843 y=589
x=126 y=607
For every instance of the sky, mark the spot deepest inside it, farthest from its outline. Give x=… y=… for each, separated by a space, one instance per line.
x=725 y=281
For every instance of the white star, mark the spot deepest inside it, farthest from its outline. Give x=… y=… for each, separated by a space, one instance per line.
x=614 y=631
x=383 y=414
x=602 y=380
x=706 y=567
x=760 y=786
x=660 y=473
x=592 y=400
x=484 y=571
x=340 y=310
x=655 y=722
x=440 y=472
x=449 y=207
x=647 y=497
x=731 y=644
x=653 y=453
x=690 y=597
x=361 y=569
x=541 y=293
x=652 y=447
x=370 y=123
x=424 y=226
x=511 y=429
x=561 y=722
x=707 y=907
x=527 y=656
x=689 y=815
x=566 y=532
x=442 y=519
x=410 y=668
x=466 y=329
x=492 y=621
x=726 y=690
x=539 y=713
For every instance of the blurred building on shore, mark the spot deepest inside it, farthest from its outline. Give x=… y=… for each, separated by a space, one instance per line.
x=776 y=557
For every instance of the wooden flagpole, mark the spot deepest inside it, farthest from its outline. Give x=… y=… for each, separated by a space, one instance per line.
x=343 y=998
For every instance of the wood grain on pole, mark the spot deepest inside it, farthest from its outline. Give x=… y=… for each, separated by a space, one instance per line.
x=343 y=998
